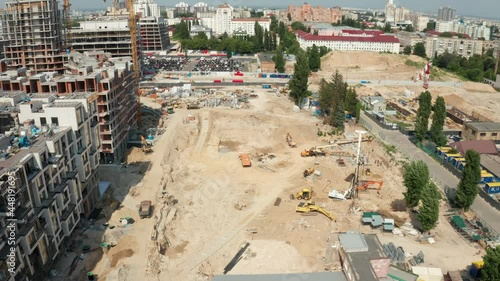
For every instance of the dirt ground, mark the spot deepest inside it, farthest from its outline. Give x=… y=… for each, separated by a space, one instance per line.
x=219 y=205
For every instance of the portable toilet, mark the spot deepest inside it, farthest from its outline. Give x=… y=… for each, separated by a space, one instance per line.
x=486 y=177
x=492 y=187
x=475 y=269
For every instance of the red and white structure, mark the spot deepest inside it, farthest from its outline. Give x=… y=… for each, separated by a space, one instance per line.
x=425 y=75
x=351 y=40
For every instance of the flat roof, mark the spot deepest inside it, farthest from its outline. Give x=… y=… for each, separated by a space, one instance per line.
x=484 y=126
x=491 y=163
x=360 y=261
x=353 y=242
x=399 y=274
x=312 y=276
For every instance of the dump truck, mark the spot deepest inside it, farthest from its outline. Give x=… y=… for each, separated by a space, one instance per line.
x=245 y=160
x=145 y=209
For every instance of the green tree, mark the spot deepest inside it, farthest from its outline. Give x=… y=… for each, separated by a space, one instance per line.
x=407 y=50
x=279 y=61
x=326 y=96
x=409 y=28
x=351 y=100
x=436 y=132
x=415 y=178
x=201 y=36
x=428 y=214
x=266 y=41
x=299 y=82
x=387 y=28
x=314 y=59
x=289 y=17
x=419 y=50
x=467 y=189
x=358 y=111
x=491 y=269
x=423 y=114
x=297 y=25
x=323 y=50
x=181 y=30
x=339 y=116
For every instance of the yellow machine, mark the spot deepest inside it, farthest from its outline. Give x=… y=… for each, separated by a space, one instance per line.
x=307 y=207
x=305 y=194
x=146 y=146
x=289 y=140
x=308 y=172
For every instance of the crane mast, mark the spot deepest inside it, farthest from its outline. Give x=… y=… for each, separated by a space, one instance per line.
x=67 y=22
x=135 y=52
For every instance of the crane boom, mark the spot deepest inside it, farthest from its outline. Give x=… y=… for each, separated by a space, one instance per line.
x=67 y=23
x=135 y=52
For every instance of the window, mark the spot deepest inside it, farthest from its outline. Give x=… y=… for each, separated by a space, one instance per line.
x=494 y=134
x=43 y=121
x=482 y=134
x=55 y=121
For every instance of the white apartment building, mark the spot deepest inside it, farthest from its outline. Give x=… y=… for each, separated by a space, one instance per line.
x=147 y=8
x=377 y=43
x=222 y=20
x=463 y=47
x=475 y=31
x=248 y=25
x=419 y=22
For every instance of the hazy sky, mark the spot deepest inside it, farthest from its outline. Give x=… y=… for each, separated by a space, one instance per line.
x=483 y=8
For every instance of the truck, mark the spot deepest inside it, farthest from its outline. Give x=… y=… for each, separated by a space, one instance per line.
x=193 y=106
x=145 y=209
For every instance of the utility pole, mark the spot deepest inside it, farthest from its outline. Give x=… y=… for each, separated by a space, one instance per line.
x=358 y=163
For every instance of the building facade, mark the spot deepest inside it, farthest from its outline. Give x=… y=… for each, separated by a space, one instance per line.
x=222 y=19
x=147 y=8
x=248 y=25
x=153 y=34
x=446 y=14
x=464 y=47
x=481 y=131
x=182 y=8
x=200 y=7
x=378 y=43
x=307 y=12
x=34 y=31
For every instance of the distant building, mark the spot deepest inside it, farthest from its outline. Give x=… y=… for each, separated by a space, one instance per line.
x=446 y=14
x=481 y=131
x=395 y=14
x=153 y=34
x=182 y=8
x=350 y=41
x=248 y=24
x=147 y=8
x=196 y=29
x=464 y=47
x=374 y=103
x=267 y=64
x=409 y=38
x=222 y=21
x=419 y=22
x=307 y=12
x=200 y=7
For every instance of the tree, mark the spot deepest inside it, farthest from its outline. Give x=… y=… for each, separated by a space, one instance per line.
x=323 y=50
x=423 y=113
x=387 y=28
x=358 y=111
x=491 y=269
x=419 y=50
x=415 y=178
x=409 y=28
x=351 y=100
x=279 y=61
x=339 y=116
x=436 y=133
x=181 y=30
x=407 y=50
x=314 y=59
x=266 y=40
x=289 y=17
x=298 y=25
x=325 y=97
x=428 y=214
x=201 y=35
x=299 y=82
x=467 y=189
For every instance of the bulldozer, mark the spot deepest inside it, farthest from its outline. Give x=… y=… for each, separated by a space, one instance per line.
x=290 y=142
x=309 y=206
x=305 y=194
x=308 y=172
x=146 y=145
x=370 y=185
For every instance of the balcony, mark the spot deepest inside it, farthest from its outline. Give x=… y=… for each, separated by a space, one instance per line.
x=55 y=160
x=60 y=187
x=65 y=215
x=21 y=213
x=94 y=123
x=81 y=149
x=71 y=175
x=32 y=173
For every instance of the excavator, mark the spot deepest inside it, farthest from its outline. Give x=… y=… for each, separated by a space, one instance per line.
x=290 y=142
x=371 y=185
x=309 y=206
x=305 y=194
x=312 y=152
x=146 y=146
x=308 y=172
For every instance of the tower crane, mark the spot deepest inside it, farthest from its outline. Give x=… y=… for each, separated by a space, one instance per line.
x=132 y=18
x=67 y=22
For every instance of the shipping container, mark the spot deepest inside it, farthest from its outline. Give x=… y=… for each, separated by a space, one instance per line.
x=266 y=86
x=492 y=187
x=237 y=81
x=264 y=75
x=217 y=81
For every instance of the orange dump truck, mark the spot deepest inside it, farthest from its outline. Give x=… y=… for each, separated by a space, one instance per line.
x=245 y=160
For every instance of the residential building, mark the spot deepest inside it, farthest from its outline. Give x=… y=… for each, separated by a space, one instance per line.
x=419 y=22
x=181 y=8
x=38 y=49
x=222 y=20
x=481 y=131
x=248 y=25
x=374 y=103
x=446 y=14
x=310 y=276
x=200 y=7
x=351 y=42
x=242 y=13
x=390 y=11
x=171 y=13
x=196 y=29
x=306 y=12
x=147 y=8
x=153 y=34
x=267 y=64
x=409 y=38
x=464 y=47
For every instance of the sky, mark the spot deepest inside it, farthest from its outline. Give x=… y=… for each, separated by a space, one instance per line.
x=478 y=8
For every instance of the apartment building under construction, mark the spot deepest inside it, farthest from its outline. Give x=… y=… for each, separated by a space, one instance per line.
x=111 y=79
x=34 y=30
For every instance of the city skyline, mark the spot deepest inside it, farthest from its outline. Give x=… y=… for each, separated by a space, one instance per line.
x=479 y=8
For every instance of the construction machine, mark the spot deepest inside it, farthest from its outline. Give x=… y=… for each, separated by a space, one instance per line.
x=146 y=145
x=289 y=140
x=309 y=206
x=308 y=172
x=371 y=185
x=305 y=194
x=245 y=160
x=312 y=152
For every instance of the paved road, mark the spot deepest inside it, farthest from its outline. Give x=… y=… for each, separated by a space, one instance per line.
x=405 y=83
x=443 y=178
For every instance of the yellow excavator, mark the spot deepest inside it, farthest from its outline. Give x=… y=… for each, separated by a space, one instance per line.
x=309 y=206
x=146 y=146
x=305 y=194
x=308 y=172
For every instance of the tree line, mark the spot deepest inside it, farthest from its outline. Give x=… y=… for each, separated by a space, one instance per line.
x=475 y=68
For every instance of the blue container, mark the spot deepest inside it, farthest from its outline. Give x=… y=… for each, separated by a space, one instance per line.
x=474 y=272
x=264 y=75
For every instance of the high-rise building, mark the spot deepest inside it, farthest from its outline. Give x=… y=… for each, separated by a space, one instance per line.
x=222 y=22
x=306 y=12
x=181 y=8
x=446 y=14
x=147 y=8
x=34 y=30
x=200 y=7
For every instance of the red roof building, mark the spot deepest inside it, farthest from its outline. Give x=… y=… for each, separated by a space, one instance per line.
x=479 y=146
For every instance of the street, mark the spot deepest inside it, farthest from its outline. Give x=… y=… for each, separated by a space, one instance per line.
x=440 y=175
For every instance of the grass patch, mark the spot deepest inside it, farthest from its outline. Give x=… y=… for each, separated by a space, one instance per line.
x=411 y=63
x=389 y=149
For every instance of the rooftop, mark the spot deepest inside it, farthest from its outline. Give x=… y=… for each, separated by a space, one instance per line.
x=313 y=276
x=377 y=38
x=266 y=57
x=479 y=146
x=485 y=126
x=353 y=242
x=65 y=104
x=491 y=163
x=251 y=19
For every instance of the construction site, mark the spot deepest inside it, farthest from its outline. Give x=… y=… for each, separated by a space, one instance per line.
x=227 y=172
